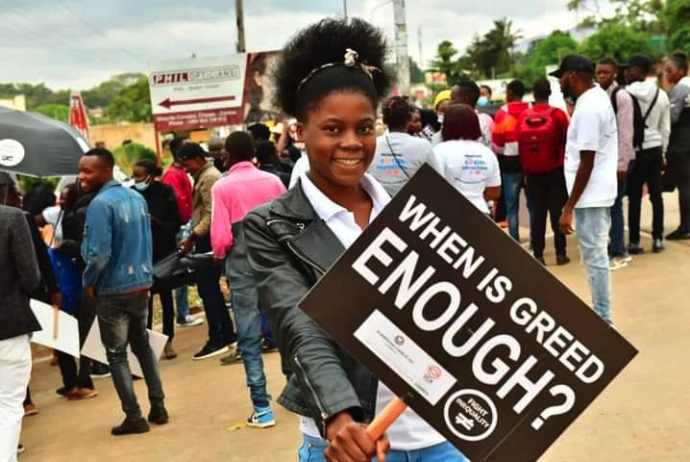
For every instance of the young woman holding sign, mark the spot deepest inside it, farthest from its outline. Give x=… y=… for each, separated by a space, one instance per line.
x=331 y=78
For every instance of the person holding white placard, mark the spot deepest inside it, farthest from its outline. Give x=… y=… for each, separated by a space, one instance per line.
x=331 y=77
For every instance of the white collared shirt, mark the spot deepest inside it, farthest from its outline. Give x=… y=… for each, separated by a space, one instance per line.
x=409 y=432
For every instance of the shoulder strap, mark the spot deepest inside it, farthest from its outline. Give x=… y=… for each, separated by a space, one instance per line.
x=57 y=223
x=651 y=106
x=614 y=98
x=395 y=156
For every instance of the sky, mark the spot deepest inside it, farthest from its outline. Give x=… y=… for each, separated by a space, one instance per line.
x=79 y=43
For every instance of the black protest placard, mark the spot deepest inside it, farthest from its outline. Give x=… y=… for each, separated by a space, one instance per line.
x=463 y=324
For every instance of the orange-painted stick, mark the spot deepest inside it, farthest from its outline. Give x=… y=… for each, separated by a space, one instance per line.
x=385 y=419
x=56 y=318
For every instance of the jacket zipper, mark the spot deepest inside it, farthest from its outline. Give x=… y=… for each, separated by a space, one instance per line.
x=317 y=400
x=305 y=259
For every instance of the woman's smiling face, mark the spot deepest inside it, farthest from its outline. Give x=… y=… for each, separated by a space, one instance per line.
x=340 y=138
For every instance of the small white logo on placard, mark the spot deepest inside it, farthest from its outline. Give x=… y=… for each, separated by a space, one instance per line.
x=471 y=415
x=11 y=152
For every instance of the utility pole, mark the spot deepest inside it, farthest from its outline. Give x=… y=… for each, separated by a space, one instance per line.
x=345 y=9
x=239 y=13
x=401 y=47
x=421 y=55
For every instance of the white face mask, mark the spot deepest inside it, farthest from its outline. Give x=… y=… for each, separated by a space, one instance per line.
x=440 y=118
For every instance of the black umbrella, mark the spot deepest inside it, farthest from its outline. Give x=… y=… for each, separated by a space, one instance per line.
x=33 y=144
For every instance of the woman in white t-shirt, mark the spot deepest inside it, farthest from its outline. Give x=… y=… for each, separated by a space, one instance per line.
x=465 y=162
x=398 y=154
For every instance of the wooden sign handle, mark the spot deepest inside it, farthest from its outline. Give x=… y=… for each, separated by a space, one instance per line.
x=386 y=418
x=56 y=318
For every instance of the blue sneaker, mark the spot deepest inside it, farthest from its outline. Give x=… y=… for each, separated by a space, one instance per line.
x=262 y=417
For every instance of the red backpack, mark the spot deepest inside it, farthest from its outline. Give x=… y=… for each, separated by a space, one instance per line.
x=538 y=141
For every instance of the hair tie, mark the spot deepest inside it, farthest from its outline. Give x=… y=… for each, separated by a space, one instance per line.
x=350 y=60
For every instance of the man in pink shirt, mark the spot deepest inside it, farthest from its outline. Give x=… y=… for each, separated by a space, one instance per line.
x=242 y=189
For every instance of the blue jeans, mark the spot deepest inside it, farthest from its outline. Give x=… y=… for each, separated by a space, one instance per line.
x=182 y=303
x=182 y=293
x=511 y=192
x=220 y=328
x=245 y=305
x=617 y=232
x=312 y=451
x=593 y=226
x=122 y=321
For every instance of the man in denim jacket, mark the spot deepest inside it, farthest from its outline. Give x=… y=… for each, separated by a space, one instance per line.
x=117 y=252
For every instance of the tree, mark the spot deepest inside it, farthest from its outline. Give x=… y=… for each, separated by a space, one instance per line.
x=445 y=62
x=542 y=53
x=132 y=104
x=129 y=154
x=36 y=94
x=616 y=41
x=416 y=74
x=676 y=14
x=492 y=54
x=639 y=15
x=55 y=111
x=102 y=95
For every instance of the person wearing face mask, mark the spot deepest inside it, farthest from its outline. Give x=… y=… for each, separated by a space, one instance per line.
x=591 y=164
x=441 y=102
x=485 y=95
x=165 y=223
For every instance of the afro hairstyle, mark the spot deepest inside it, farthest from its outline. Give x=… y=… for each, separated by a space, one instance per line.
x=323 y=43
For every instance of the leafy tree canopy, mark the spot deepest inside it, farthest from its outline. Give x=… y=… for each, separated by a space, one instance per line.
x=55 y=111
x=132 y=104
x=617 y=41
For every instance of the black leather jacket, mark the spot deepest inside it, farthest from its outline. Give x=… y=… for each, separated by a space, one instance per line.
x=289 y=249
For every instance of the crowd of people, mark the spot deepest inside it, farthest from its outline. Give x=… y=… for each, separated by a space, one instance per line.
x=275 y=211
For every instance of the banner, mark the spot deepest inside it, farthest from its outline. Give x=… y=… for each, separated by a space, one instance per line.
x=462 y=323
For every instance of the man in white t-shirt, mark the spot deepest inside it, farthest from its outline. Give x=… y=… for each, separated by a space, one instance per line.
x=591 y=161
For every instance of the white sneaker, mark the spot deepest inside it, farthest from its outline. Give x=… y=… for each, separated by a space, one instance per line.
x=627 y=258
x=617 y=263
x=190 y=321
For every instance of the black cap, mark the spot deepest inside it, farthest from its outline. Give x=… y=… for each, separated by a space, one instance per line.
x=191 y=151
x=574 y=63
x=639 y=60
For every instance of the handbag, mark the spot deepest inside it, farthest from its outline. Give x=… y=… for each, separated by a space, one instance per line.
x=177 y=270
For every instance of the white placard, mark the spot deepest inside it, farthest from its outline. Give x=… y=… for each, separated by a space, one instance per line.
x=67 y=339
x=405 y=357
x=94 y=349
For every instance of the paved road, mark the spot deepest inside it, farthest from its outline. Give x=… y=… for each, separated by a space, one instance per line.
x=641 y=417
